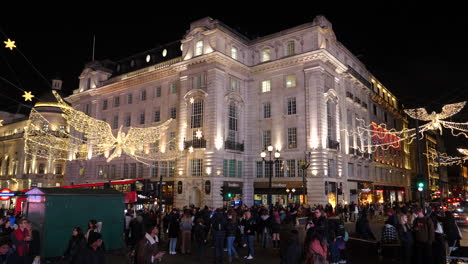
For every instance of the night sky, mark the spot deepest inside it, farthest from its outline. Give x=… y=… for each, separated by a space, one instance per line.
x=418 y=53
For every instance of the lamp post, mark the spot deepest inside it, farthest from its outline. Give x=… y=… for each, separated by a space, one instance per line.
x=270 y=164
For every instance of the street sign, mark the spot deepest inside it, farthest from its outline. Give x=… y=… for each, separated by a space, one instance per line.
x=6 y=194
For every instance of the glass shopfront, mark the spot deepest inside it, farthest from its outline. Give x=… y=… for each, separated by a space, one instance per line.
x=282 y=193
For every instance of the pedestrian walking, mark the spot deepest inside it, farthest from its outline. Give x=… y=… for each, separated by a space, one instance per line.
x=232 y=228
x=249 y=225
x=264 y=227
x=76 y=243
x=352 y=214
x=186 y=224
x=147 y=250
x=423 y=229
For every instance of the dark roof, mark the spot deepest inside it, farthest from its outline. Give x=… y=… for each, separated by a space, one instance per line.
x=73 y=191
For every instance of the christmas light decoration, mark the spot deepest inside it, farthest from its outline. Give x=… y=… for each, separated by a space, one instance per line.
x=27 y=96
x=9 y=44
x=463 y=151
x=192 y=100
x=1 y=121
x=198 y=134
x=435 y=119
x=442 y=159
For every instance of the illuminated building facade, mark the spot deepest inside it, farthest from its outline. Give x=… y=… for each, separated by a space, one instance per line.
x=296 y=90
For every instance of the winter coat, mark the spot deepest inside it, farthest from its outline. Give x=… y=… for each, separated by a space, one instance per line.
x=145 y=250
x=249 y=226
x=423 y=229
x=75 y=245
x=201 y=233
x=174 y=227
x=264 y=224
x=231 y=228
x=91 y=256
x=11 y=257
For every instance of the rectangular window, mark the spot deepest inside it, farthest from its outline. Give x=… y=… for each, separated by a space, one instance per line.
x=239 y=169
x=232 y=168
x=140 y=170
x=132 y=170
x=374 y=107
x=350 y=170
x=266 y=110
x=266 y=54
x=259 y=169
x=292 y=137
x=100 y=171
x=226 y=168
x=234 y=53
x=104 y=105
x=290 y=81
x=142 y=118
x=129 y=98
x=128 y=120
x=235 y=85
x=157 y=92
x=291 y=168
x=232 y=117
x=268 y=170
x=116 y=101
x=198 y=82
x=385 y=117
x=331 y=168
x=197 y=114
x=359 y=171
x=266 y=138
x=173 y=112
x=125 y=170
x=266 y=86
x=154 y=169
x=292 y=106
x=115 y=122
x=291 y=48
x=157 y=116
x=163 y=171
x=171 y=169
x=279 y=168
x=58 y=169
x=173 y=88
x=196 y=167
x=199 y=48
x=112 y=171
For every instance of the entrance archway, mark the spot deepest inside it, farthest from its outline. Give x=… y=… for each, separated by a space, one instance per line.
x=195 y=197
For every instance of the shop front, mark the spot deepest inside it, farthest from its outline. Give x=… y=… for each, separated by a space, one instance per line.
x=389 y=194
x=361 y=192
x=282 y=193
x=233 y=192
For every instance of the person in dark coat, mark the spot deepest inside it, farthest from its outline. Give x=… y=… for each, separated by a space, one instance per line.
x=76 y=243
x=147 y=250
x=405 y=234
x=451 y=230
x=93 y=253
x=285 y=236
x=7 y=254
x=363 y=228
x=294 y=252
x=35 y=243
x=218 y=226
x=200 y=231
x=173 y=231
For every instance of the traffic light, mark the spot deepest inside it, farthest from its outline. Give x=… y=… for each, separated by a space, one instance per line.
x=223 y=191
x=420 y=185
x=229 y=195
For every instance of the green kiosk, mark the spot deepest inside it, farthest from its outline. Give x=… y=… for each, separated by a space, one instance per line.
x=54 y=212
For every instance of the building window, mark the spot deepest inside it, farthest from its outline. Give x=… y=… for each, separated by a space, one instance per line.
x=196 y=167
x=291 y=169
x=374 y=107
x=385 y=117
x=331 y=168
x=172 y=141
x=116 y=101
x=234 y=53
x=197 y=114
x=266 y=110
x=232 y=117
x=359 y=171
x=125 y=170
x=173 y=88
x=292 y=106
x=157 y=92
x=291 y=81
x=58 y=169
x=133 y=170
x=199 y=48
x=266 y=138
x=140 y=170
x=143 y=95
x=163 y=171
x=171 y=169
x=129 y=98
x=154 y=169
x=232 y=168
x=266 y=86
x=112 y=171
x=259 y=169
x=157 y=116
x=142 y=118
x=350 y=170
x=104 y=105
x=128 y=120
x=331 y=124
x=292 y=137
x=198 y=82
x=234 y=85
x=173 y=112
x=115 y=122
x=291 y=48
x=279 y=168
x=266 y=54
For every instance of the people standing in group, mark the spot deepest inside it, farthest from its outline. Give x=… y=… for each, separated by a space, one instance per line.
x=147 y=250
x=218 y=227
x=405 y=235
x=200 y=231
x=21 y=238
x=423 y=229
x=264 y=227
x=76 y=243
x=5 y=227
x=186 y=224
x=232 y=228
x=249 y=226
x=173 y=231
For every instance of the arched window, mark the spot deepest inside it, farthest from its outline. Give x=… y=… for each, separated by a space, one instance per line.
x=196 y=121
x=331 y=120
x=266 y=54
x=232 y=116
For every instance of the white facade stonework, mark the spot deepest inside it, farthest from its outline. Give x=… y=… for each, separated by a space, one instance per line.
x=321 y=68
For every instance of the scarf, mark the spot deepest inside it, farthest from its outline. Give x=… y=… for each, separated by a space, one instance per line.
x=151 y=239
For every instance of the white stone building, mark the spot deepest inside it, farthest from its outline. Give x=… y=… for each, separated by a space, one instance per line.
x=296 y=90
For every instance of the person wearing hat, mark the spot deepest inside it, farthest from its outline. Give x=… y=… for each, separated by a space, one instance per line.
x=93 y=253
x=7 y=254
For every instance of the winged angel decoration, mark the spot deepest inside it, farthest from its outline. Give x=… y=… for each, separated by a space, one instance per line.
x=91 y=137
x=436 y=120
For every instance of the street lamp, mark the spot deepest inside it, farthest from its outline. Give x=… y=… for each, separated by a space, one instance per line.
x=270 y=163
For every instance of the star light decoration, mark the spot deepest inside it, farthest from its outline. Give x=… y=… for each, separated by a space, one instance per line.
x=436 y=119
x=198 y=134
x=28 y=96
x=90 y=138
x=9 y=44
